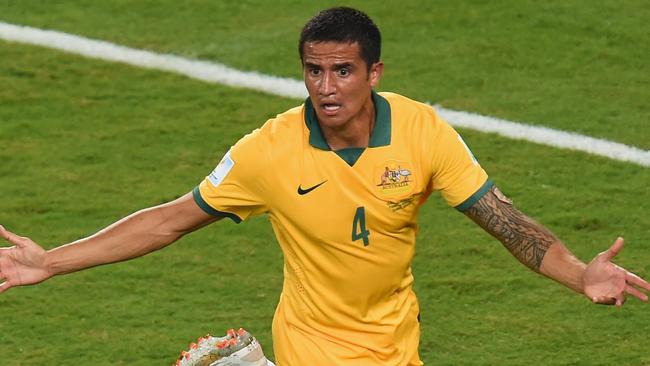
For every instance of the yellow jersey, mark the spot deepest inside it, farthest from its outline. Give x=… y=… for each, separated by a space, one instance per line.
x=346 y=222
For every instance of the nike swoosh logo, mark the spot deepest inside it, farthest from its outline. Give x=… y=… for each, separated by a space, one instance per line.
x=305 y=191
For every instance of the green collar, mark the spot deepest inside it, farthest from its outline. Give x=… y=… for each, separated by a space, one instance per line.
x=380 y=133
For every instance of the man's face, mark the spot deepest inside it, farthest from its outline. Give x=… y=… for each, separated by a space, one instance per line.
x=339 y=82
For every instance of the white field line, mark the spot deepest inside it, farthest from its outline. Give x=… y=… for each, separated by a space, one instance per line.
x=547 y=136
x=218 y=73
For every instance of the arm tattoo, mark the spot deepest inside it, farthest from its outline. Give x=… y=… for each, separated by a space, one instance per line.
x=526 y=239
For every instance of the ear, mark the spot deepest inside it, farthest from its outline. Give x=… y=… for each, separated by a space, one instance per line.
x=376 y=70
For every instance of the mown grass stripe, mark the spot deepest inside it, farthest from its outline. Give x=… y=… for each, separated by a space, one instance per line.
x=218 y=73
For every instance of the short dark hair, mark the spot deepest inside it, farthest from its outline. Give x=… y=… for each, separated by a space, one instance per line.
x=344 y=25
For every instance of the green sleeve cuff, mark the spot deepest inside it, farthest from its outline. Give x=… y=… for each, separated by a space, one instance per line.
x=196 y=193
x=476 y=196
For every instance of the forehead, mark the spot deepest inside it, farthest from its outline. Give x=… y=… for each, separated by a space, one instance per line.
x=331 y=52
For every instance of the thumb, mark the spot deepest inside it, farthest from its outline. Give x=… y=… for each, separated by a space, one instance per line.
x=18 y=241
x=610 y=253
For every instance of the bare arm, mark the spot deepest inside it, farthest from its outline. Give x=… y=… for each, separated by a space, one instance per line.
x=540 y=250
x=531 y=243
x=133 y=236
x=143 y=232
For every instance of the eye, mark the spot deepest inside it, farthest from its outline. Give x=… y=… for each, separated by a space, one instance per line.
x=314 y=72
x=344 y=72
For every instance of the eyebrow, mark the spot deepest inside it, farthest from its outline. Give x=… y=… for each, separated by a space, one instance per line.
x=342 y=65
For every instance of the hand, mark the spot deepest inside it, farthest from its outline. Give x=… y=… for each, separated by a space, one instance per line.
x=606 y=283
x=21 y=264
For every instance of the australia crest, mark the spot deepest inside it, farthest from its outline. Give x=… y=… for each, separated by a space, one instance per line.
x=394 y=179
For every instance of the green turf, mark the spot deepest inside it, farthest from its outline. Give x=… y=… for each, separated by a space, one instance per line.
x=578 y=65
x=83 y=143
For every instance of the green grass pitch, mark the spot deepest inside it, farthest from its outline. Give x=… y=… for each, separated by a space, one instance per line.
x=85 y=142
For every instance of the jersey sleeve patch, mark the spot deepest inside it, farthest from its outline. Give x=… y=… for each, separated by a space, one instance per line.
x=221 y=171
x=196 y=193
x=468 y=150
x=476 y=196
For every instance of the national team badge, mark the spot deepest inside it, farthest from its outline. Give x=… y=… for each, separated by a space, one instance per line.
x=394 y=179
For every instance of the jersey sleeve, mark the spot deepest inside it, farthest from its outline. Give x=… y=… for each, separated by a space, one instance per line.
x=235 y=188
x=456 y=172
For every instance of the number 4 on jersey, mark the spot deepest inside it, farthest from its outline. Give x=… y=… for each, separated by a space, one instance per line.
x=359 y=230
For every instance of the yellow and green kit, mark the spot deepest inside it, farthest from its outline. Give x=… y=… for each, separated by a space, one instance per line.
x=346 y=222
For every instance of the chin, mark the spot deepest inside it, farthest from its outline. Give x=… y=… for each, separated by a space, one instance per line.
x=331 y=121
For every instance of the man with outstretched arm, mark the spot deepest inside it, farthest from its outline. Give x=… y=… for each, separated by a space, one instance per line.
x=357 y=165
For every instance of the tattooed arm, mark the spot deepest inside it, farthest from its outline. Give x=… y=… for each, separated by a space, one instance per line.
x=527 y=240
x=540 y=250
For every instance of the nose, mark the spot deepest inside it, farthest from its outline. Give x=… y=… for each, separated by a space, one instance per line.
x=327 y=84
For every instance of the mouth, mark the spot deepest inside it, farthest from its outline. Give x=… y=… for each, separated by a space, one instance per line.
x=330 y=109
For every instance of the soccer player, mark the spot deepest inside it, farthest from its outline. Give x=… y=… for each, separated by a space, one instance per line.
x=362 y=162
